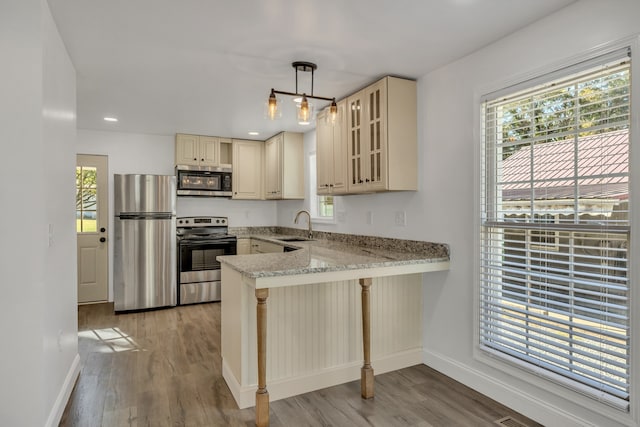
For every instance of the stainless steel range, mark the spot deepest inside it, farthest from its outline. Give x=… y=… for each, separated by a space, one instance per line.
x=200 y=241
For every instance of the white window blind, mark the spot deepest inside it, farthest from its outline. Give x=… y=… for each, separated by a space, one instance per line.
x=554 y=287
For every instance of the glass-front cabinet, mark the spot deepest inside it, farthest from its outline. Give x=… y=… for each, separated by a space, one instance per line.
x=382 y=137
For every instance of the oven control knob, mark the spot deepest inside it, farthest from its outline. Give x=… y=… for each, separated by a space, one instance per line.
x=179 y=221
x=217 y=221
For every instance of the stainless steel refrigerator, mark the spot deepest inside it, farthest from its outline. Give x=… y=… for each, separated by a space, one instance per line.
x=145 y=242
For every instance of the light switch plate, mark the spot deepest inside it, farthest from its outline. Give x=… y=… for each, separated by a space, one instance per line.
x=401 y=218
x=369 y=217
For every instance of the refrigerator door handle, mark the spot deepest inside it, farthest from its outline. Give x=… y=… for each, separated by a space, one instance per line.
x=145 y=216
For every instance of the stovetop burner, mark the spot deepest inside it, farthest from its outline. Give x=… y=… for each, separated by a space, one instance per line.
x=202 y=228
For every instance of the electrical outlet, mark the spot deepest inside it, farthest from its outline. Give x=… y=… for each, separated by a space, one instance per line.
x=401 y=218
x=50 y=235
x=369 y=217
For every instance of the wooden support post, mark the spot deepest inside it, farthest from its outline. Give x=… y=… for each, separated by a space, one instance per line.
x=262 y=395
x=366 y=373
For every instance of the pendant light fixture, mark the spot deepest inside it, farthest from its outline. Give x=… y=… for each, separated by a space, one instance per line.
x=304 y=107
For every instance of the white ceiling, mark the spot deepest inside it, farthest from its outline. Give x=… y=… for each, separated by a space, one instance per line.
x=207 y=66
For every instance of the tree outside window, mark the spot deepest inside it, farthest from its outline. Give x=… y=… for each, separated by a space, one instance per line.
x=86 y=202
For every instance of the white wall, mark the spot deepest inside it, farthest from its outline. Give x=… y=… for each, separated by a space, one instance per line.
x=60 y=320
x=448 y=133
x=155 y=154
x=37 y=107
x=23 y=248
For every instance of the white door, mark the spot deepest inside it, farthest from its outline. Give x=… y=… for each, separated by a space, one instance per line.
x=92 y=220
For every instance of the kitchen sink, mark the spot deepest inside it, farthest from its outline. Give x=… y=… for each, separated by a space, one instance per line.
x=294 y=239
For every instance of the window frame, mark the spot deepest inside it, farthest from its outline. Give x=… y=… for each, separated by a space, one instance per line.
x=516 y=374
x=315 y=199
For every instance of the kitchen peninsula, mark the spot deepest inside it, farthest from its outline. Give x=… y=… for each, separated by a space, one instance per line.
x=333 y=303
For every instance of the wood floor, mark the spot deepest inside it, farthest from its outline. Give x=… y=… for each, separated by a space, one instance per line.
x=163 y=368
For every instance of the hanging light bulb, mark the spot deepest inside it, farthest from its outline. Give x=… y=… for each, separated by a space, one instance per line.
x=305 y=111
x=333 y=111
x=272 y=111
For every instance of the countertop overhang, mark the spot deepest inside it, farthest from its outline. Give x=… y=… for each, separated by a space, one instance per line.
x=318 y=261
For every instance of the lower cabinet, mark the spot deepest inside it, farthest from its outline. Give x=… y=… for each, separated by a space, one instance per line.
x=262 y=247
x=246 y=246
x=243 y=246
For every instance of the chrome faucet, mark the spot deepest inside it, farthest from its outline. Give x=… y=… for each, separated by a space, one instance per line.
x=295 y=221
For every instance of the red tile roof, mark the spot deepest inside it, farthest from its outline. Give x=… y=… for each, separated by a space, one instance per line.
x=603 y=169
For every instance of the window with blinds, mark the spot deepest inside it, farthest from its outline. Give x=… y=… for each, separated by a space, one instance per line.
x=554 y=286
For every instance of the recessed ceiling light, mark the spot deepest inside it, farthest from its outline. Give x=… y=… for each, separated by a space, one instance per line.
x=110 y=119
x=253 y=133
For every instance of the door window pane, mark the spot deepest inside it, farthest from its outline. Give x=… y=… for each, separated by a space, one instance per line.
x=86 y=199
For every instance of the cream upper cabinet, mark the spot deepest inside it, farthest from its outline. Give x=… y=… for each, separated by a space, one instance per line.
x=331 y=151
x=247 y=169
x=284 y=166
x=197 y=150
x=382 y=137
x=273 y=167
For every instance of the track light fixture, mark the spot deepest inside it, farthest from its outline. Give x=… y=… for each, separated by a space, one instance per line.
x=304 y=108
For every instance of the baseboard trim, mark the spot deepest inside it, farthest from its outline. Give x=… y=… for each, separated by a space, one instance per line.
x=232 y=383
x=515 y=398
x=55 y=415
x=287 y=387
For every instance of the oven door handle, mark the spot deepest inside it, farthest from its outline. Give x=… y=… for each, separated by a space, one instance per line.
x=219 y=242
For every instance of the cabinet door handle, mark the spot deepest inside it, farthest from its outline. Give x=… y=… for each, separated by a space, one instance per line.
x=195 y=159
x=359 y=181
x=367 y=179
x=102 y=240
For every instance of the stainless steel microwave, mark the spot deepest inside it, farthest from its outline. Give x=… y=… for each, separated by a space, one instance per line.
x=204 y=181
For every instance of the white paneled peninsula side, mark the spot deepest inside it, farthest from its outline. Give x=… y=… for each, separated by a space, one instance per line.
x=327 y=313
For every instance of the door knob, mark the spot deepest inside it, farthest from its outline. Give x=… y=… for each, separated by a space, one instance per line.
x=102 y=229
x=103 y=239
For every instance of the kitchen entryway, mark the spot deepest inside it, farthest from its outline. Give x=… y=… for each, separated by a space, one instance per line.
x=92 y=220
x=163 y=368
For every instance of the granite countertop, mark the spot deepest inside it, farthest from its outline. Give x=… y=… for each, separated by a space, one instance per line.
x=336 y=257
